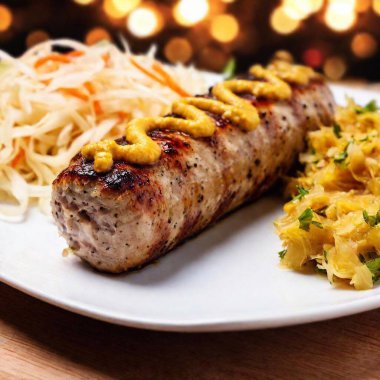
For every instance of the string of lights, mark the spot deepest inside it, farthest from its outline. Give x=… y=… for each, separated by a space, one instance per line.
x=210 y=32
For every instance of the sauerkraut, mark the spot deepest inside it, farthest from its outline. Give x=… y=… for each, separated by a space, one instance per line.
x=51 y=104
x=333 y=220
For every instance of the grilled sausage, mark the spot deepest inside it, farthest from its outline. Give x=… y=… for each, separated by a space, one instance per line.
x=133 y=214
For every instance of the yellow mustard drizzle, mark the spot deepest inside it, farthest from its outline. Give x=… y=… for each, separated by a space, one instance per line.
x=145 y=151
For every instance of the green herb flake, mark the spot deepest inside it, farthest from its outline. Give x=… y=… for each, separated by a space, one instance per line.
x=374 y=266
x=282 y=253
x=306 y=218
x=341 y=157
x=320 y=270
x=371 y=220
x=302 y=192
x=230 y=69
x=325 y=255
x=337 y=130
x=369 y=107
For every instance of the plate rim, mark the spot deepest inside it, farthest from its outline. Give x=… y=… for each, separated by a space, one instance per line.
x=313 y=314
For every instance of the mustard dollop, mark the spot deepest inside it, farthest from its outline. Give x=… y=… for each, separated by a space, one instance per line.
x=227 y=103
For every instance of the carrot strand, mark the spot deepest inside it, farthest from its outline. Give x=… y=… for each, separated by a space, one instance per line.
x=51 y=58
x=169 y=80
x=76 y=93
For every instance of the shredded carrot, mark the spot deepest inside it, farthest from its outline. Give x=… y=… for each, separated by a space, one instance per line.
x=74 y=53
x=106 y=58
x=166 y=81
x=76 y=93
x=19 y=156
x=52 y=58
x=147 y=72
x=169 y=80
x=124 y=115
x=98 y=108
x=91 y=89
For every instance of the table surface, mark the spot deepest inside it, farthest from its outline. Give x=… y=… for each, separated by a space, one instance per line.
x=39 y=341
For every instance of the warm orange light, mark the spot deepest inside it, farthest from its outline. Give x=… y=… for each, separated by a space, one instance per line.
x=190 y=12
x=83 y=2
x=335 y=68
x=376 y=6
x=96 y=35
x=299 y=10
x=36 y=37
x=224 y=28
x=340 y=14
x=213 y=58
x=228 y=1
x=364 y=45
x=5 y=18
x=313 y=57
x=178 y=50
x=317 y=5
x=126 y=6
x=282 y=23
x=362 y=5
x=112 y=11
x=144 y=22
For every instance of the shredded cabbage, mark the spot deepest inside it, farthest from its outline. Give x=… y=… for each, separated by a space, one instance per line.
x=52 y=104
x=334 y=221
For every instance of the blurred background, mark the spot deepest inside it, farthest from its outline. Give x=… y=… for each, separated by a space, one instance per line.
x=338 y=37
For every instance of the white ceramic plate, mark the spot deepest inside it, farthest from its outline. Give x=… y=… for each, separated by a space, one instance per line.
x=227 y=278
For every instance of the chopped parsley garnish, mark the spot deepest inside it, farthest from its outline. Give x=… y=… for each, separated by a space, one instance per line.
x=230 y=68
x=337 y=130
x=372 y=220
x=306 y=218
x=341 y=157
x=374 y=266
x=320 y=270
x=369 y=107
x=325 y=255
x=282 y=253
x=301 y=193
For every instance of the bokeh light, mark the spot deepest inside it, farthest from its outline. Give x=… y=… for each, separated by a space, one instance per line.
x=126 y=6
x=83 y=2
x=190 y=12
x=340 y=15
x=335 y=68
x=298 y=10
x=362 y=5
x=313 y=57
x=96 y=35
x=317 y=5
x=178 y=49
x=5 y=18
x=35 y=37
x=213 y=58
x=376 y=6
x=364 y=45
x=282 y=23
x=112 y=11
x=144 y=22
x=224 y=28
